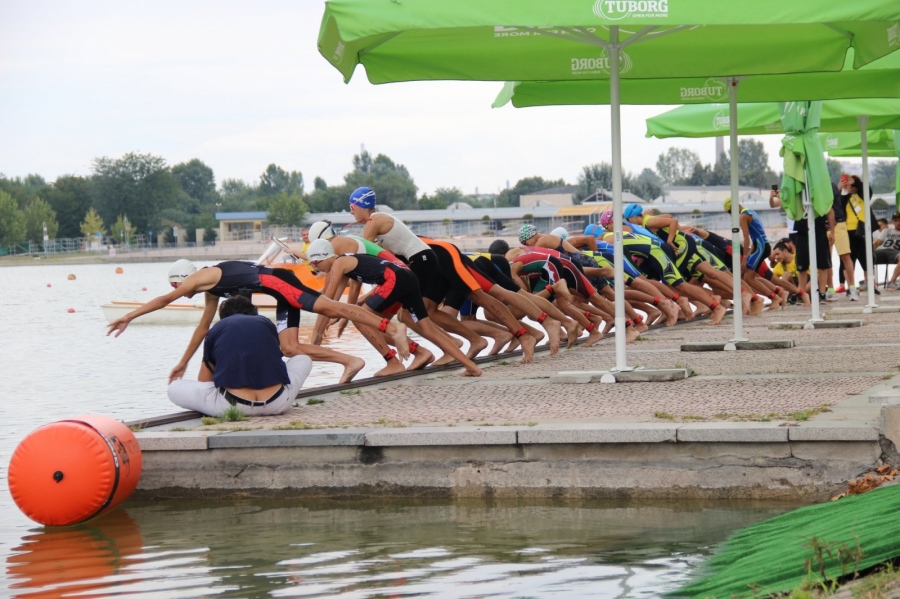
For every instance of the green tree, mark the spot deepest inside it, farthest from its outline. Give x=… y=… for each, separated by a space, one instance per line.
x=753 y=165
x=391 y=181
x=275 y=180
x=442 y=198
x=676 y=166
x=834 y=169
x=140 y=185
x=70 y=198
x=883 y=175
x=12 y=221
x=287 y=210
x=197 y=180
x=647 y=185
x=23 y=190
x=592 y=178
x=238 y=196
x=92 y=224
x=38 y=213
x=122 y=230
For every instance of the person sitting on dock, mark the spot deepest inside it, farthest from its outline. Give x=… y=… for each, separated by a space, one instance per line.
x=242 y=367
x=233 y=277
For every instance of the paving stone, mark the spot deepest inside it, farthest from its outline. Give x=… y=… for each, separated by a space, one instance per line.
x=277 y=438
x=732 y=432
x=762 y=344
x=177 y=441
x=442 y=436
x=836 y=432
x=622 y=432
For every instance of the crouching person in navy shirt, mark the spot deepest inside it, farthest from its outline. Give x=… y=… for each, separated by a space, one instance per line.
x=242 y=367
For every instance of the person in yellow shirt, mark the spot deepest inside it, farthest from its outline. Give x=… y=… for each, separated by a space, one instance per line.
x=784 y=265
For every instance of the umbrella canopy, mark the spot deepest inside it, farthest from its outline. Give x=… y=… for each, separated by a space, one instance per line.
x=505 y=40
x=878 y=79
x=883 y=143
x=712 y=120
x=532 y=40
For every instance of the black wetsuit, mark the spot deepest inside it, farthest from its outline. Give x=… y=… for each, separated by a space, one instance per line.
x=291 y=296
x=396 y=286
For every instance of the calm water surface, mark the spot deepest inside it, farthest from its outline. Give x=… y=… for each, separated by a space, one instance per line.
x=56 y=365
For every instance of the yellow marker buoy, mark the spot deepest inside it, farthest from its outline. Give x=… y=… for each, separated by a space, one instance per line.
x=119 y=270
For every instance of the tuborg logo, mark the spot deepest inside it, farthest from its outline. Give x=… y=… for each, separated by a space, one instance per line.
x=721 y=120
x=893 y=35
x=600 y=64
x=338 y=55
x=615 y=10
x=713 y=89
x=831 y=143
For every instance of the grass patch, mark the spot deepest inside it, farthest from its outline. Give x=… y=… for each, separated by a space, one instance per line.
x=799 y=416
x=232 y=414
x=314 y=400
x=350 y=392
x=875 y=585
x=208 y=420
x=664 y=415
x=693 y=417
x=136 y=428
x=503 y=363
x=532 y=424
x=691 y=372
x=178 y=429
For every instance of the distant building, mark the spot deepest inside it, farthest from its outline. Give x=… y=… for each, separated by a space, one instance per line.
x=709 y=194
x=554 y=196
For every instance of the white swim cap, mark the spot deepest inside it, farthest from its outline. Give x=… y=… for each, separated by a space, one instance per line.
x=319 y=250
x=321 y=230
x=560 y=232
x=181 y=270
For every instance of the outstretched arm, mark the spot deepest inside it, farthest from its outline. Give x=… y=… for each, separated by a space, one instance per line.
x=209 y=313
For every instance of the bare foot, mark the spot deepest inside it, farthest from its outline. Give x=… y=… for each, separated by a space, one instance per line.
x=476 y=347
x=472 y=370
x=806 y=302
x=594 y=336
x=528 y=342
x=397 y=333
x=757 y=306
x=513 y=345
x=392 y=367
x=718 y=314
x=351 y=369
x=445 y=359
x=421 y=358
x=746 y=300
x=641 y=327
x=670 y=310
x=552 y=328
x=776 y=301
x=573 y=331
x=500 y=339
x=631 y=334
x=685 y=306
x=653 y=316
x=784 y=295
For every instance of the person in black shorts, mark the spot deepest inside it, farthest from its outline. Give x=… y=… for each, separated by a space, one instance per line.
x=239 y=278
x=396 y=287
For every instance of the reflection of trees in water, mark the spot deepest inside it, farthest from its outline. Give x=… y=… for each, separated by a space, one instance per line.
x=257 y=546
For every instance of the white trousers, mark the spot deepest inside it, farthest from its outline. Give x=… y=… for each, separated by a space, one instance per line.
x=206 y=398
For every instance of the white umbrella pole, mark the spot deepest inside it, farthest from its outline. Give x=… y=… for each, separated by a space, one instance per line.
x=813 y=270
x=737 y=309
x=618 y=254
x=867 y=207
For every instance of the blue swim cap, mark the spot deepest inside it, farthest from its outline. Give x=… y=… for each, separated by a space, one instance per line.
x=363 y=197
x=591 y=230
x=632 y=210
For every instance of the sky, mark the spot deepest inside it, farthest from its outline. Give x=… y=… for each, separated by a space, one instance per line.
x=240 y=85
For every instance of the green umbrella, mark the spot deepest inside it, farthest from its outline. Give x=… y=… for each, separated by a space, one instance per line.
x=501 y=40
x=878 y=79
x=883 y=143
x=712 y=120
x=805 y=170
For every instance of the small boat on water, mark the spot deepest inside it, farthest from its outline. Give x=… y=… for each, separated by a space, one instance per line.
x=277 y=255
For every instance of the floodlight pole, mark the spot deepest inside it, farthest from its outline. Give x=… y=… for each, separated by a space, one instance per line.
x=618 y=253
x=737 y=310
x=867 y=211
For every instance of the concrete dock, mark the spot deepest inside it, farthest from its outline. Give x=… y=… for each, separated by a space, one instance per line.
x=786 y=422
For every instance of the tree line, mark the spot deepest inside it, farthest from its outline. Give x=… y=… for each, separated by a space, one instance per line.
x=140 y=193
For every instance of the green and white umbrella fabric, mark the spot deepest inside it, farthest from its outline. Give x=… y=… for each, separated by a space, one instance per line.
x=882 y=143
x=878 y=79
x=504 y=40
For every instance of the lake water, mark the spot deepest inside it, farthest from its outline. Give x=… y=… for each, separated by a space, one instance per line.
x=55 y=364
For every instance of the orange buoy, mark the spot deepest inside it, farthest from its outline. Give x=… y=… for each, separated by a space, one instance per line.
x=73 y=470
x=71 y=277
x=119 y=270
